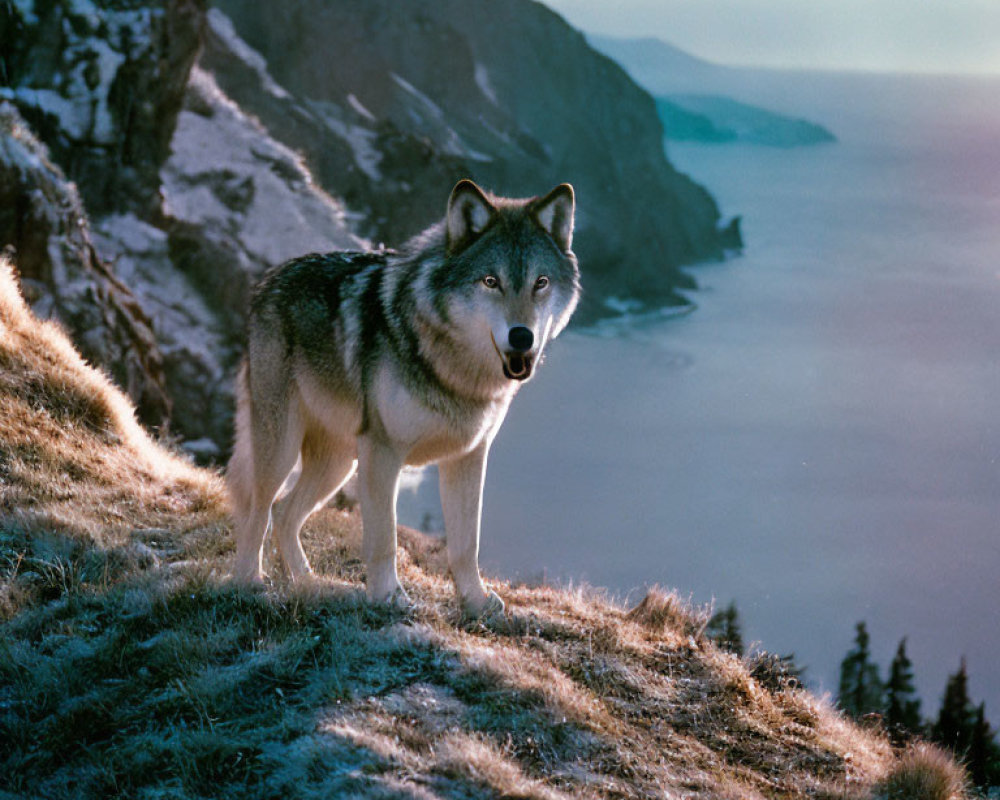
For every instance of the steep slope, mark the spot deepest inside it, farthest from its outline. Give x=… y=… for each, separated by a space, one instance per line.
x=77 y=472
x=131 y=668
x=42 y=218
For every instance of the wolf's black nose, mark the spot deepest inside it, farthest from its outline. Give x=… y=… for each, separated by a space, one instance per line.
x=521 y=338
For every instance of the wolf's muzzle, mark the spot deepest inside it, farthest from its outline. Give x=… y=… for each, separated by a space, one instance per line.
x=517 y=366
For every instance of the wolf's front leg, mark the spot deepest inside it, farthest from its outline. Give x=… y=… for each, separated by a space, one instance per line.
x=378 y=481
x=462 y=501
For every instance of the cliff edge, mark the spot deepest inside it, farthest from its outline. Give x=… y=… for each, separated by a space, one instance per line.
x=132 y=668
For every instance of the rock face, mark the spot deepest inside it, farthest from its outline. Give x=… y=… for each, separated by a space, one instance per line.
x=101 y=84
x=42 y=218
x=191 y=200
x=237 y=201
x=506 y=93
x=207 y=145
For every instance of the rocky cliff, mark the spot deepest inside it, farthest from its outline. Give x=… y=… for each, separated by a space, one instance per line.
x=207 y=144
x=42 y=220
x=506 y=93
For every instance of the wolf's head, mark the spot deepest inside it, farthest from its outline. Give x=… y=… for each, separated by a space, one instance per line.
x=512 y=278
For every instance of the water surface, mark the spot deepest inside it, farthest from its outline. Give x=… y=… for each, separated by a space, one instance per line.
x=820 y=439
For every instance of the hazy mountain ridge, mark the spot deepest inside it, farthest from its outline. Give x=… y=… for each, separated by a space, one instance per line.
x=204 y=159
x=694 y=98
x=661 y=67
x=714 y=118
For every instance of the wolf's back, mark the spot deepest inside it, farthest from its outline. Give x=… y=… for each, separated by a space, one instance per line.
x=317 y=277
x=314 y=301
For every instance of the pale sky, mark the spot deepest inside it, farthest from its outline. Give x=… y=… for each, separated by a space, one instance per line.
x=883 y=35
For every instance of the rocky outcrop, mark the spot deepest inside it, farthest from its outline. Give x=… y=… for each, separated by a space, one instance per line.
x=43 y=221
x=191 y=199
x=412 y=95
x=101 y=83
x=207 y=147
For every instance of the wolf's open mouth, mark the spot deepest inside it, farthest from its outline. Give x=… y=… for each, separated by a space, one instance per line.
x=518 y=367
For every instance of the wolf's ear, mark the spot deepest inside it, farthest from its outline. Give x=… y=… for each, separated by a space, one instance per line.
x=554 y=213
x=469 y=212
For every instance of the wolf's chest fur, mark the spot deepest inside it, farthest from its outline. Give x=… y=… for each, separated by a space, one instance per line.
x=426 y=435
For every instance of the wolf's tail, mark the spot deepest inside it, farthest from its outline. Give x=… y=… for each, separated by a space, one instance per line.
x=239 y=473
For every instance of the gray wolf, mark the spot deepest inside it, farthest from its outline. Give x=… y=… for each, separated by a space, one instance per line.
x=382 y=359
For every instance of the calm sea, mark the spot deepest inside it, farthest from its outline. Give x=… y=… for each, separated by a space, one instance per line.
x=820 y=440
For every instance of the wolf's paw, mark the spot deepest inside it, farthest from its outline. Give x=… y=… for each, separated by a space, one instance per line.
x=252 y=580
x=398 y=600
x=305 y=577
x=491 y=610
x=402 y=601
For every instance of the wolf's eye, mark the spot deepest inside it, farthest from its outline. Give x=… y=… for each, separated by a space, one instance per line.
x=541 y=283
x=491 y=282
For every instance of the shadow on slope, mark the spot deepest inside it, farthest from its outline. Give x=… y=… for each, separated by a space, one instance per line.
x=130 y=667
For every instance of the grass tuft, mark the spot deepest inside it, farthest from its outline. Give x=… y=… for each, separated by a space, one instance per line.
x=925 y=772
x=662 y=610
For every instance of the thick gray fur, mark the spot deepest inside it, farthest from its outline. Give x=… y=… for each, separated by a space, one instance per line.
x=382 y=359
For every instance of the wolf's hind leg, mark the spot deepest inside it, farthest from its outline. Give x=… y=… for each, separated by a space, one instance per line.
x=326 y=465
x=378 y=484
x=273 y=451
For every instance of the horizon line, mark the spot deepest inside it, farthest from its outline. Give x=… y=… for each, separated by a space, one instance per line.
x=929 y=72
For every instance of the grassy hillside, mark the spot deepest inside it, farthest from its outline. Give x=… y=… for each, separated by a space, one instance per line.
x=129 y=667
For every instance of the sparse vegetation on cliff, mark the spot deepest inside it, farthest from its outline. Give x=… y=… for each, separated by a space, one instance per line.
x=129 y=667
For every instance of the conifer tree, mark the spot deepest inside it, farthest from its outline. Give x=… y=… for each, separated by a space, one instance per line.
x=902 y=706
x=979 y=746
x=955 y=719
x=724 y=629
x=984 y=753
x=861 y=688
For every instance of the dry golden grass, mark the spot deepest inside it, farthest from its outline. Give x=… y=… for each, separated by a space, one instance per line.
x=72 y=457
x=67 y=429
x=131 y=667
x=925 y=772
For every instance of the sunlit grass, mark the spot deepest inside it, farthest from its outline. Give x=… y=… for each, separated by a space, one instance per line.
x=131 y=667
